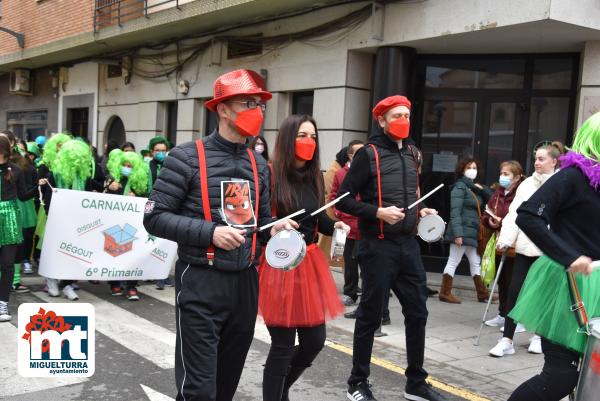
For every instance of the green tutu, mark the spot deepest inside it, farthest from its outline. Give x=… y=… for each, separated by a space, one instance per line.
x=544 y=304
x=28 y=214
x=11 y=231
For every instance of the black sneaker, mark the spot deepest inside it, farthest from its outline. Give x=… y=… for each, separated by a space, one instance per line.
x=386 y=321
x=431 y=292
x=360 y=392
x=351 y=315
x=423 y=392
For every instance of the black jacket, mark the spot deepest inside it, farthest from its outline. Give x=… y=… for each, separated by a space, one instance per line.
x=154 y=169
x=175 y=210
x=399 y=183
x=17 y=187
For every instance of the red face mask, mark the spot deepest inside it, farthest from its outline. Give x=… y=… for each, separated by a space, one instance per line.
x=248 y=122
x=305 y=148
x=399 y=129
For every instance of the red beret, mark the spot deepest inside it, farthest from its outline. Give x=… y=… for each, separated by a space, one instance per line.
x=388 y=103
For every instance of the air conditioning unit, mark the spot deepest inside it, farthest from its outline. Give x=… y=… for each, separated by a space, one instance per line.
x=20 y=83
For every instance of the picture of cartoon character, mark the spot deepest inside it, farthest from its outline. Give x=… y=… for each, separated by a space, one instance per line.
x=236 y=203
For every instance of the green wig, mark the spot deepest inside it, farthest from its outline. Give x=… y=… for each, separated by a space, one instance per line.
x=51 y=148
x=138 y=179
x=156 y=140
x=73 y=165
x=587 y=140
x=113 y=165
x=33 y=148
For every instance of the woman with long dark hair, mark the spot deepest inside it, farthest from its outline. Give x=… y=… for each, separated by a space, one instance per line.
x=260 y=146
x=300 y=300
x=12 y=187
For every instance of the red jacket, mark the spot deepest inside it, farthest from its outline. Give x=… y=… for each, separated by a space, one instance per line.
x=352 y=221
x=499 y=204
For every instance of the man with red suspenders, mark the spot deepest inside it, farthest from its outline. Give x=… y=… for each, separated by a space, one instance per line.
x=208 y=196
x=385 y=175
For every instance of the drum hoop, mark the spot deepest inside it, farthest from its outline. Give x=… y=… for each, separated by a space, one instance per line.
x=435 y=218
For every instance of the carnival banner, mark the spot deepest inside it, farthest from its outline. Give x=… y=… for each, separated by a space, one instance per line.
x=96 y=236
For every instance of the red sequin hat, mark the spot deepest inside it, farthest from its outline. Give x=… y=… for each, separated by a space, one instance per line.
x=234 y=83
x=388 y=103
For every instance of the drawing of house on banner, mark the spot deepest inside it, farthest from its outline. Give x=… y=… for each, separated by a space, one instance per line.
x=117 y=240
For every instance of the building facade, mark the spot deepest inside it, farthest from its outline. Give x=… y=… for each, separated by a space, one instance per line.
x=487 y=78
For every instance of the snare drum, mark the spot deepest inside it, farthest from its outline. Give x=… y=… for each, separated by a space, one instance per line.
x=588 y=387
x=285 y=250
x=431 y=228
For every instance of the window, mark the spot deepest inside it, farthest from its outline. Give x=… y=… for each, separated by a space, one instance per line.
x=475 y=73
x=243 y=47
x=302 y=102
x=114 y=71
x=552 y=73
x=28 y=124
x=172 y=122
x=77 y=121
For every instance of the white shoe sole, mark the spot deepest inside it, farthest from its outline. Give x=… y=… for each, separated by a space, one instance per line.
x=507 y=352
x=414 y=397
x=5 y=318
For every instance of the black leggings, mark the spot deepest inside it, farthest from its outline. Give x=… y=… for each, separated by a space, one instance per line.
x=7 y=268
x=26 y=246
x=557 y=380
x=520 y=270
x=283 y=355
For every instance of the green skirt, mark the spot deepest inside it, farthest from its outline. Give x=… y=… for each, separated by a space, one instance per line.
x=28 y=214
x=11 y=231
x=544 y=304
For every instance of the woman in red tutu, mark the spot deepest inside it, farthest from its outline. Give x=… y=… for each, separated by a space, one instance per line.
x=300 y=300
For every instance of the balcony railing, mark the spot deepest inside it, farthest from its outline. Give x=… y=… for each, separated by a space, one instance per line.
x=117 y=12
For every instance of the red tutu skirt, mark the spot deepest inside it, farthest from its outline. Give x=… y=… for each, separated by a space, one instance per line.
x=303 y=297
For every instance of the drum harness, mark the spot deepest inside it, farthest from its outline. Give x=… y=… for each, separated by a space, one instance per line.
x=415 y=158
x=210 y=250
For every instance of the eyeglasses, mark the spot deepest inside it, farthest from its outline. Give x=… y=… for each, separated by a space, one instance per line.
x=251 y=104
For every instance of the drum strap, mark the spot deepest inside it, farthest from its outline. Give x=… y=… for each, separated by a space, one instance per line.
x=577 y=306
x=210 y=250
x=378 y=169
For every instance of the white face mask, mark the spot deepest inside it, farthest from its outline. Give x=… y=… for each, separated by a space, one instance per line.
x=471 y=173
x=259 y=148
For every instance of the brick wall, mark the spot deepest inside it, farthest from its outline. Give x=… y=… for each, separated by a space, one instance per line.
x=43 y=21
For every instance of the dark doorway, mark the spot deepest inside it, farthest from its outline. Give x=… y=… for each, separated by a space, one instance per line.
x=172 y=122
x=494 y=108
x=116 y=131
x=77 y=122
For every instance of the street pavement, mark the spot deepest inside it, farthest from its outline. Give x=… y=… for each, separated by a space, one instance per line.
x=135 y=353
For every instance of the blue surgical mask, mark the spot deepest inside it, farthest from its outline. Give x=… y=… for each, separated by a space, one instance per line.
x=125 y=171
x=504 y=181
x=160 y=156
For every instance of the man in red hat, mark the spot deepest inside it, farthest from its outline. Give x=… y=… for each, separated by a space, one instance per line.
x=216 y=279
x=385 y=175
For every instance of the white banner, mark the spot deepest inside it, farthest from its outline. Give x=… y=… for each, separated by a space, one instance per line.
x=96 y=236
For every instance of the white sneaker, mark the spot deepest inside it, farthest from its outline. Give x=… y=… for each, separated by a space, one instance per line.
x=4 y=315
x=69 y=292
x=536 y=345
x=52 y=284
x=504 y=347
x=519 y=329
x=498 y=321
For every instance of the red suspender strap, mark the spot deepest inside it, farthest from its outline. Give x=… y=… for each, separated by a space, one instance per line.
x=210 y=250
x=378 y=186
x=257 y=193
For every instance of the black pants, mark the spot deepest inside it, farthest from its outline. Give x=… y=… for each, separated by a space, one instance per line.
x=397 y=265
x=215 y=314
x=283 y=355
x=7 y=268
x=520 y=270
x=558 y=378
x=26 y=246
x=504 y=284
x=350 y=270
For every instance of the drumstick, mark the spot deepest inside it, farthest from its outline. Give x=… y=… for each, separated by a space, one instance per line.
x=319 y=210
x=289 y=216
x=426 y=196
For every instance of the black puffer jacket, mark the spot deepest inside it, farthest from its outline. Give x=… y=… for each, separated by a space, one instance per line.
x=399 y=182
x=175 y=210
